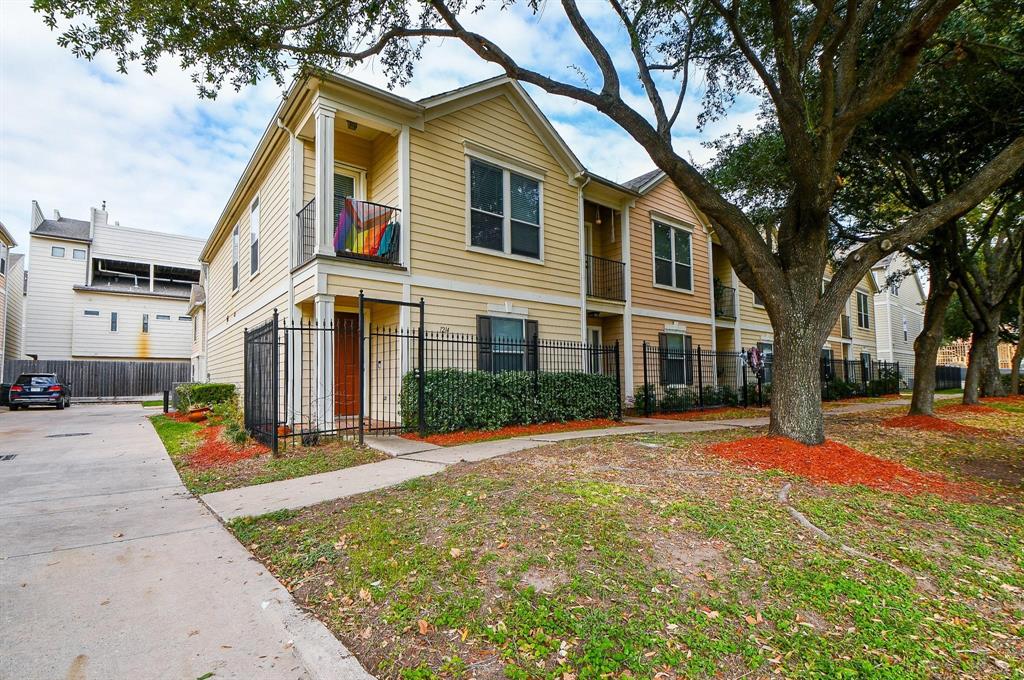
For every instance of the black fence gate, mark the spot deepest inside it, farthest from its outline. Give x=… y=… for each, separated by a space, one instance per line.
x=261 y=388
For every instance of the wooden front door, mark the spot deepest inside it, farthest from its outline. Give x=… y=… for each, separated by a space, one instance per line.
x=346 y=364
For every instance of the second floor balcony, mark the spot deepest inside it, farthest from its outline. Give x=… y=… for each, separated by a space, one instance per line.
x=362 y=230
x=725 y=302
x=606 y=278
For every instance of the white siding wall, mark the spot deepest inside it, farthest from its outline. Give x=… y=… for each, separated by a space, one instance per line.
x=139 y=245
x=891 y=310
x=50 y=303
x=15 y=333
x=166 y=339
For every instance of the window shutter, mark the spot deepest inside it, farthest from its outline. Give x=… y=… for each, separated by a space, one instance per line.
x=688 y=358
x=531 y=336
x=344 y=187
x=483 y=346
x=663 y=358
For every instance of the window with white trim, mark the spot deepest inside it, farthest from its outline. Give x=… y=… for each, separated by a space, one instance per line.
x=673 y=257
x=78 y=254
x=863 y=314
x=145 y=323
x=254 y=237
x=3 y=258
x=163 y=317
x=906 y=329
x=56 y=251
x=504 y=210
x=113 y=321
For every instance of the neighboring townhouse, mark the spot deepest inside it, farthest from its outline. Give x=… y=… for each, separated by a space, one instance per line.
x=17 y=288
x=7 y=242
x=481 y=210
x=102 y=291
x=899 y=311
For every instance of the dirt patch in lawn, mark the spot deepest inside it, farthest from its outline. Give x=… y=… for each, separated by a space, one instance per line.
x=835 y=463
x=470 y=436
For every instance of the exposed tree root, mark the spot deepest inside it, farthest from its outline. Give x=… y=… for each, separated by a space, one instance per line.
x=818 y=533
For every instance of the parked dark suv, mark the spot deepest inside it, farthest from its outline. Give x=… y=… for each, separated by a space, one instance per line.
x=39 y=389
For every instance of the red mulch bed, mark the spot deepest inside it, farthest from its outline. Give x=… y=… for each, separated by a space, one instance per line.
x=215 y=451
x=470 y=436
x=834 y=463
x=968 y=409
x=1012 y=399
x=932 y=424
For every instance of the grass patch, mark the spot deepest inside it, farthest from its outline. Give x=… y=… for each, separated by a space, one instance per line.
x=640 y=555
x=152 y=402
x=181 y=438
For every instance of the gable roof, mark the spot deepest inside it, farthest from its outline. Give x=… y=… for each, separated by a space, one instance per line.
x=64 y=227
x=645 y=182
x=6 y=235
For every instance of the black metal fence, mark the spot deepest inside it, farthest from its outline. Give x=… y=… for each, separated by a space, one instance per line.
x=948 y=377
x=606 y=278
x=681 y=380
x=262 y=378
x=309 y=381
x=116 y=379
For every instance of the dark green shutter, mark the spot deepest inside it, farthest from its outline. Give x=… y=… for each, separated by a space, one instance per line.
x=663 y=358
x=688 y=358
x=483 y=344
x=531 y=337
x=344 y=187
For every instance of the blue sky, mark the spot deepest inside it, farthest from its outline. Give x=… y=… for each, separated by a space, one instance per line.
x=75 y=133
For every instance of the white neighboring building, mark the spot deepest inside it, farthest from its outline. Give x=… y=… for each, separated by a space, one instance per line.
x=899 y=312
x=98 y=290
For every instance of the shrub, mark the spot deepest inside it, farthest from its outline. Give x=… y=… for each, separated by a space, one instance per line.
x=478 y=400
x=190 y=395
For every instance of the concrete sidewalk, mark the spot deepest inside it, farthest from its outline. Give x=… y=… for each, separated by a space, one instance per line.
x=109 y=568
x=416 y=459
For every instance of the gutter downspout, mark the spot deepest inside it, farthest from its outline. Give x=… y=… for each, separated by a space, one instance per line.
x=582 y=254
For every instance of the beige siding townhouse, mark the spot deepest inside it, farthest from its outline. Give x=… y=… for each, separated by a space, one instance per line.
x=7 y=301
x=99 y=290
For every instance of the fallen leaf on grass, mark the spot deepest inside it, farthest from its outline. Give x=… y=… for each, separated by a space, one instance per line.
x=424 y=626
x=455 y=552
x=365 y=595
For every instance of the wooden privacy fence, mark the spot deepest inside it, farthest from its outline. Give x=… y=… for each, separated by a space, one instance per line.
x=105 y=378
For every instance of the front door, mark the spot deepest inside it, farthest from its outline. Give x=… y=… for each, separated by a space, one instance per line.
x=346 y=364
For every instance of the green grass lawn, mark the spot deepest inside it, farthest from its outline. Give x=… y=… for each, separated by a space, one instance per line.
x=181 y=439
x=152 y=402
x=640 y=555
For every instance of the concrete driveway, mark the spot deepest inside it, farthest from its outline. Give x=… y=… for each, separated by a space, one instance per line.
x=110 y=569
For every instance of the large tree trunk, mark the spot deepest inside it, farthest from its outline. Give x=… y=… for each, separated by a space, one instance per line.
x=926 y=345
x=796 y=385
x=984 y=344
x=991 y=381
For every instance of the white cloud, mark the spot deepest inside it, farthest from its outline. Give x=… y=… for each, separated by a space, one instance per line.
x=74 y=133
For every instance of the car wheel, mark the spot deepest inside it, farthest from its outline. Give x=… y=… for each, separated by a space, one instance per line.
x=67 y=403
x=60 y=405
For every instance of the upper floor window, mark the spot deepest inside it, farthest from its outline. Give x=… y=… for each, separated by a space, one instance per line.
x=863 y=313
x=57 y=251
x=3 y=258
x=113 y=321
x=254 y=237
x=758 y=302
x=163 y=317
x=145 y=323
x=184 y=318
x=673 y=257
x=505 y=210
x=234 y=259
x=906 y=329
x=92 y=312
x=895 y=289
x=78 y=254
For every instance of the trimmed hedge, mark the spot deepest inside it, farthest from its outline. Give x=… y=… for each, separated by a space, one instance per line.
x=188 y=395
x=478 y=400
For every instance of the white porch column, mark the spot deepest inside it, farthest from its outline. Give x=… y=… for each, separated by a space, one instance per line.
x=627 y=321
x=323 y=309
x=404 y=196
x=324 y=152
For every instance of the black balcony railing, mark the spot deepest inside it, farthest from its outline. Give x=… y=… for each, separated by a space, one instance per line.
x=307 y=233
x=606 y=278
x=363 y=230
x=369 y=231
x=845 y=323
x=725 y=302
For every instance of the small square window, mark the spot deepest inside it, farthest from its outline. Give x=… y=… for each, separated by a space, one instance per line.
x=56 y=251
x=78 y=254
